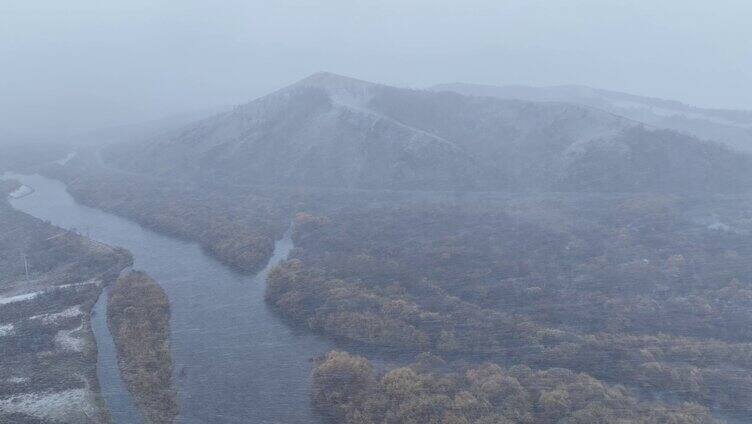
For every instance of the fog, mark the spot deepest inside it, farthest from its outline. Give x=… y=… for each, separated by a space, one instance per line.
x=356 y=212
x=83 y=64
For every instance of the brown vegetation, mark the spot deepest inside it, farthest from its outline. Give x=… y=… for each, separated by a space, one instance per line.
x=627 y=290
x=138 y=315
x=238 y=230
x=347 y=390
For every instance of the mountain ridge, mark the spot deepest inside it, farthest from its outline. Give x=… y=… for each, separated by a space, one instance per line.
x=334 y=131
x=728 y=126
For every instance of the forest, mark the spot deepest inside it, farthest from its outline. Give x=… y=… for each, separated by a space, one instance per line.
x=238 y=229
x=648 y=292
x=638 y=290
x=347 y=389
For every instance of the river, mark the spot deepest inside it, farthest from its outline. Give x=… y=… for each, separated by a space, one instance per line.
x=234 y=360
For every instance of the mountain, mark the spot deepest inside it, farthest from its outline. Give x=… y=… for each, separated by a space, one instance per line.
x=333 y=131
x=318 y=131
x=730 y=127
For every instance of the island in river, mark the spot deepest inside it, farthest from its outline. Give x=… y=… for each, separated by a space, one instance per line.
x=138 y=314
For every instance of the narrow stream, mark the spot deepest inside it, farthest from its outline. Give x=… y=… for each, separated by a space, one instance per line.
x=116 y=397
x=234 y=360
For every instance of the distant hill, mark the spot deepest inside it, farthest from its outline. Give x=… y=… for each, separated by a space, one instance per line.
x=332 y=131
x=730 y=127
x=142 y=130
x=129 y=132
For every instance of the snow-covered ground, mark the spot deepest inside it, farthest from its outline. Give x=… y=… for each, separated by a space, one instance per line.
x=7 y=330
x=84 y=283
x=71 y=339
x=67 y=339
x=77 y=405
x=71 y=312
x=22 y=191
x=19 y=298
x=66 y=159
x=69 y=406
x=32 y=295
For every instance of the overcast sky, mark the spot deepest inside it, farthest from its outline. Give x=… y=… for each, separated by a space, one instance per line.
x=78 y=64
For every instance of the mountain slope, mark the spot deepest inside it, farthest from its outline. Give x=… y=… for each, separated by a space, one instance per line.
x=333 y=131
x=316 y=132
x=730 y=127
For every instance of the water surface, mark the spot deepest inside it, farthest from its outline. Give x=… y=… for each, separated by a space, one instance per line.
x=234 y=360
x=114 y=392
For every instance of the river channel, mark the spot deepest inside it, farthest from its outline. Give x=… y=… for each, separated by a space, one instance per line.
x=234 y=360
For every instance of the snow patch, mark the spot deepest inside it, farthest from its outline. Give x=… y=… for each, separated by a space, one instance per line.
x=71 y=312
x=29 y=296
x=719 y=226
x=20 y=192
x=85 y=283
x=67 y=406
x=69 y=340
x=18 y=298
x=66 y=159
x=7 y=330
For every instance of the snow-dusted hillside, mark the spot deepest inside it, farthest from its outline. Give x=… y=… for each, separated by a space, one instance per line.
x=730 y=127
x=334 y=131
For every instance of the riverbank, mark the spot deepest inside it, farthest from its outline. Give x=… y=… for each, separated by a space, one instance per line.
x=50 y=279
x=239 y=230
